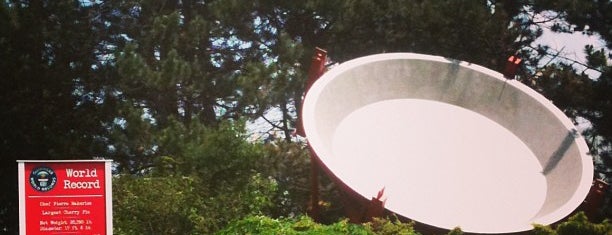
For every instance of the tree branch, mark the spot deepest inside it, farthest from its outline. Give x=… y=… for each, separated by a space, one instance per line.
x=558 y=55
x=273 y=124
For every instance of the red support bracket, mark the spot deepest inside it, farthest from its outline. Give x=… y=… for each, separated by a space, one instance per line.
x=361 y=210
x=594 y=200
x=376 y=208
x=317 y=68
x=512 y=64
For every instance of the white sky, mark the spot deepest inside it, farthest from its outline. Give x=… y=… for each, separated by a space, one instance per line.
x=570 y=45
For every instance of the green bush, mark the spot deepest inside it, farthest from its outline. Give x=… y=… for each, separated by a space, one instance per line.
x=177 y=205
x=576 y=224
x=304 y=225
x=203 y=179
x=380 y=226
x=156 y=205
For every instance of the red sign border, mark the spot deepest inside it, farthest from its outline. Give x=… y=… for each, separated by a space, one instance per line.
x=108 y=194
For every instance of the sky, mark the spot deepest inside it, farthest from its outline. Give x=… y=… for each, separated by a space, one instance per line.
x=570 y=45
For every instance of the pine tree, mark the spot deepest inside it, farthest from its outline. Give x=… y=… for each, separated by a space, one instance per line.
x=50 y=89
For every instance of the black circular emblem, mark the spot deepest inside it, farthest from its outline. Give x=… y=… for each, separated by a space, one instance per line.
x=43 y=179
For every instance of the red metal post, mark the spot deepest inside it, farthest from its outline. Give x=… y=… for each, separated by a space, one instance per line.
x=361 y=211
x=313 y=208
x=594 y=201
x=317 y=68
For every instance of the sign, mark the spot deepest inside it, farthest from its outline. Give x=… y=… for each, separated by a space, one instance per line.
x=65 y=197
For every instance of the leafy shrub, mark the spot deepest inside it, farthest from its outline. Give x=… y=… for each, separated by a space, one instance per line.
x=156 y=205
x=576 y=224
x=303 y=225
x=387 y=227
x=203 y=179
